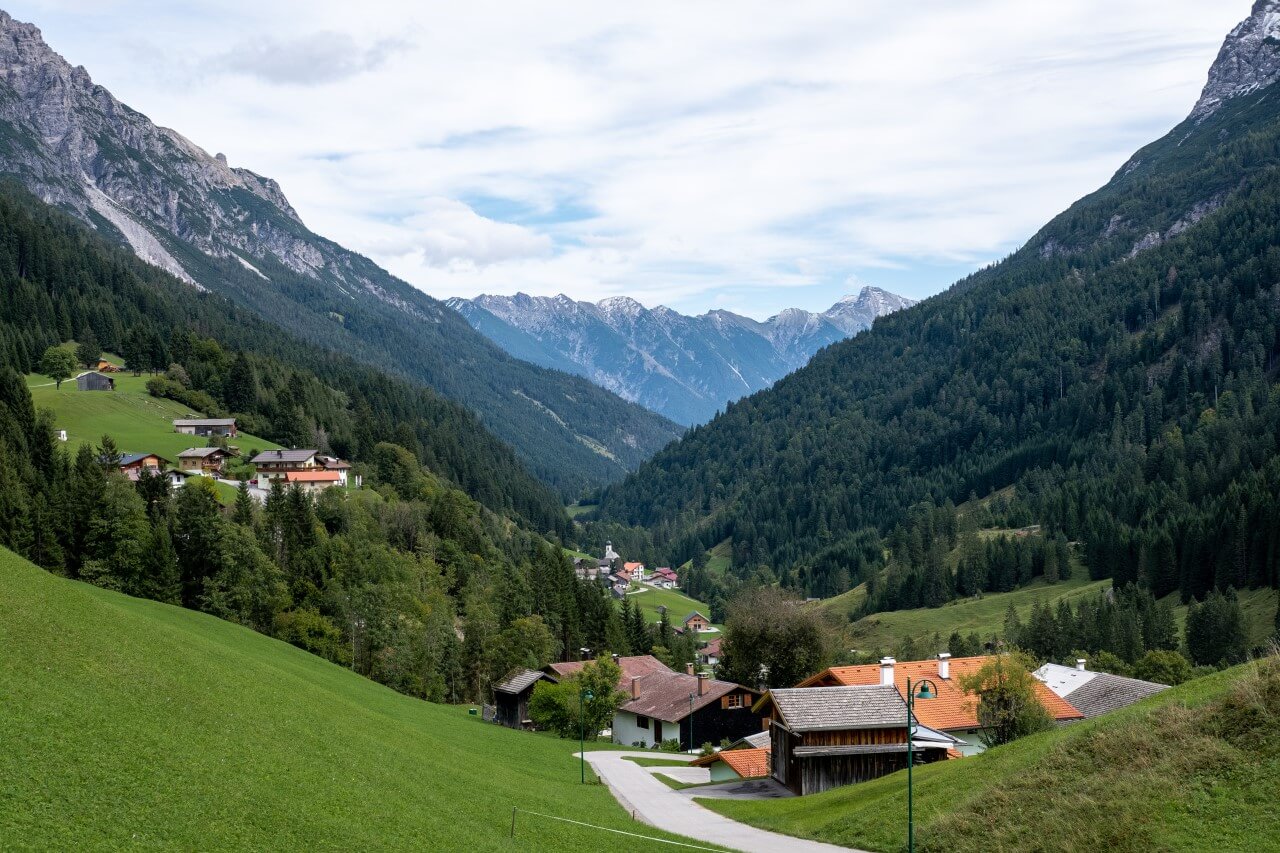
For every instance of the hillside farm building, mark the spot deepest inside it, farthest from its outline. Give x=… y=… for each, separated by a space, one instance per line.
x=91 y=380
x=225 y=427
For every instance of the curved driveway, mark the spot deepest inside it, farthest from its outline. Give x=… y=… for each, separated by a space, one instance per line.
x=654 y=803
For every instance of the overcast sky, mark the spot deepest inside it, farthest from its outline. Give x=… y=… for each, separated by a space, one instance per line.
x=738 y=155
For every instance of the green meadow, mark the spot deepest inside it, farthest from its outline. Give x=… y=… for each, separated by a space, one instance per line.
x=126 y=723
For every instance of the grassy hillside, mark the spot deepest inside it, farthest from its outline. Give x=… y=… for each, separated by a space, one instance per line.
x=986 y=615
x=652 y=600
x=125 y=722
x=1194 y=768
x=136 y=420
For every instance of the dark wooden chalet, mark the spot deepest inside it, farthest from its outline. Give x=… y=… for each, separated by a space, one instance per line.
x=511 y=697
x=825 y=737
x=91 y=380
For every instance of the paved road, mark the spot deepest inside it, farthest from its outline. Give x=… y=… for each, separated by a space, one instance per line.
x=657 y=805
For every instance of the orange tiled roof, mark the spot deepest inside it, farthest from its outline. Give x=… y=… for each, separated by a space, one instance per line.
x=312 y=476
x=631 y=567
x=953 y=708
x=747 y=763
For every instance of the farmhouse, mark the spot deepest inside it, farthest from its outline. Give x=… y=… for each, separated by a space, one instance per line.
x=91 y=380
x=825 y=737
x=709 y=655
x=206 y=426
x=954 y=712
x=312 y=481
x=1095 y=693
x=203 y=460
x=274 y=464
x=697 y=623
x=680 y=705
x=635 y=570
x=342 y=468
x=511 y=697
x=133 y=464
x=664 y=578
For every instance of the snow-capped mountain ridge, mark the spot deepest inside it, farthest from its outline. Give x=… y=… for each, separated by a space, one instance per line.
x=685 y=367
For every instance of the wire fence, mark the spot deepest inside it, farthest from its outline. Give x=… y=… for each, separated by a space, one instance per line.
x=515 y=810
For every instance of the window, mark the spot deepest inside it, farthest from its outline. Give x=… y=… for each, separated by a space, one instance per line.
x=642 y=722
x=734 y=700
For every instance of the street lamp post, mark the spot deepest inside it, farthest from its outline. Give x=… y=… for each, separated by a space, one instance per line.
x=582 y=733
x=691 y=742
x=927 y=690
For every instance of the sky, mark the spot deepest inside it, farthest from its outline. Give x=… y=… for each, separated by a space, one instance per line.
x=741 y=155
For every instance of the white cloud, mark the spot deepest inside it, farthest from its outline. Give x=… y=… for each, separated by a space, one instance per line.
x=693 y=154
x=309 y=60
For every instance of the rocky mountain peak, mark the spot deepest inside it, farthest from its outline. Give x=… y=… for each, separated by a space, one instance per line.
x=1248 y=61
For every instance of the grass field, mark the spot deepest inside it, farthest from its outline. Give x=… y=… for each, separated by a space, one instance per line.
x=1194 y=768
x=127 y=723
x=652 y=600
x=882 y=631
x=137 y=421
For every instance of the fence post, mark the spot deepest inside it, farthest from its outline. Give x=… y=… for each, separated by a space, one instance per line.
x=513 y=821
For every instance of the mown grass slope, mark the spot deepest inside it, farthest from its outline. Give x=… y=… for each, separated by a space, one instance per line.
x=1194 y=768
x=128 y=723
x=138 y=422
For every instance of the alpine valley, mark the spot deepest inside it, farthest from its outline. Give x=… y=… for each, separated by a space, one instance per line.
x=686 y=368
x=233 y=232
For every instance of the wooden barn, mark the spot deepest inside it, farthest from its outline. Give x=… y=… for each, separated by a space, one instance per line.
x=511 y=697
x=91 y=380
x=825 y=737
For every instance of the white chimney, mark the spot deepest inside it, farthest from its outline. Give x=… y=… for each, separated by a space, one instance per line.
x=1080 y=664
x=886 y=671
x=944 y=664
x=688 y=668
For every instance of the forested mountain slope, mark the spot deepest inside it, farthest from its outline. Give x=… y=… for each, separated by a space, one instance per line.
x=1118 y=370
x=58 y=281
x=234 y=232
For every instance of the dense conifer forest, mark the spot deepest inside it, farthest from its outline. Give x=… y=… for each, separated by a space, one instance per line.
x=1118 y=373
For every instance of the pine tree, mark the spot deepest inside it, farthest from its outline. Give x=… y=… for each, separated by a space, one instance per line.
x=243 y=514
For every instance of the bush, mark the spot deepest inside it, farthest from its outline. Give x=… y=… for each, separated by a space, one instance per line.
x=671 y=745
x=1163 y=667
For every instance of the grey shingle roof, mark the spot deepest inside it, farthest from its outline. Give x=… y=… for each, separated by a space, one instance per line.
x=283 y=456
x=1106 y=692
x=517 y=680
x=811 y=709
x=199 y=452
x=759 y=740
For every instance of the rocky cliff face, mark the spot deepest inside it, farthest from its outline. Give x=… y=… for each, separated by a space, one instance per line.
x=686 y=368
x=232 y=231
x=1248 y=61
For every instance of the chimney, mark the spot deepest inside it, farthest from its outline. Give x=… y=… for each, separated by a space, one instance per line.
x=615 y=657
x=1080 y=664
x=702 y=683
x=635 y=688
x=944 y=664
x=886 y=671
x=688 y=668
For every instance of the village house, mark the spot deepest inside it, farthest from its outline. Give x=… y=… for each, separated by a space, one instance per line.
x=619 y=590
x=697 y=623
x=511 y=697
x=664 y=578
x=91 y=380
x=346 y=476
x=312 y=482
x=622 y=576
x=1095 y=693
x=225 y=427
x=274 y=464
x=709 y=655
x=203 y=460
x=635 y=570
x=663 y=704
x=954 y=712
x=825 y=737
x=133 y=464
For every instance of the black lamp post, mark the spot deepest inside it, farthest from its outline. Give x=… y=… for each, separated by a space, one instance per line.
x=582 y=733
x=924 y=689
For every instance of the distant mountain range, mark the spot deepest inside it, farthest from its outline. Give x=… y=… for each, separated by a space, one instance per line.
x=686 y=368
x=233 y=232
